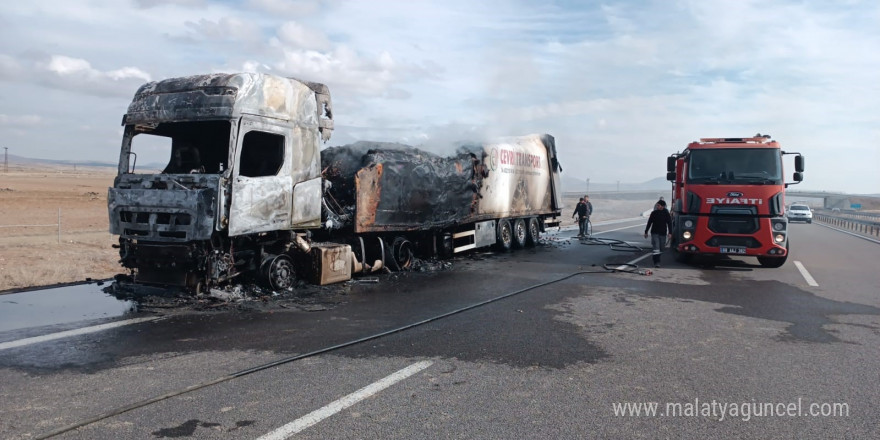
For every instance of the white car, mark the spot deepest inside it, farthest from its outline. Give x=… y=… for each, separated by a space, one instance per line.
x=799 y=213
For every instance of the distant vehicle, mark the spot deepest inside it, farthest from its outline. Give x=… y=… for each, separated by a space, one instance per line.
x=835 y=209
x=799 y=213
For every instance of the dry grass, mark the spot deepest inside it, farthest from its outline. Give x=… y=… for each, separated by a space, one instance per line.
x=32 y=256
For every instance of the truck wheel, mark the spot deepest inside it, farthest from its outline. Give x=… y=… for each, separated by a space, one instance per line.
x=445 y=247
x=402 y=252
x=774 y=262
x=277 y=272
x=680 y=257
x=533 y=232
x=504 y=236
x=519 y=233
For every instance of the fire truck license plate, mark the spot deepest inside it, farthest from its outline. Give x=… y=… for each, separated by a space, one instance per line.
x=733 y=250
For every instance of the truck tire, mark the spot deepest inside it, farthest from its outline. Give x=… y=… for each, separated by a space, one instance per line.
x=774 y=262
x=533 y=232
x=680 y=257
x=277 y=272
x=401 y=251
x=504 y=236
x=519 y=233
x=445 y=248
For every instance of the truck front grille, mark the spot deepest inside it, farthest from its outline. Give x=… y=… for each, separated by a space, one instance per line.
x=734 y=225
x=153 y=225
x=723 y=240
x=734 y=219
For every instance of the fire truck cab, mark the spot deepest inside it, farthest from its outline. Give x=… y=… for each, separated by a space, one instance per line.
x=728 y=197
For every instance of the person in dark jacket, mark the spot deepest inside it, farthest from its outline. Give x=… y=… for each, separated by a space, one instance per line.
x=582 y=217
x=660 y=225
x=589 y=213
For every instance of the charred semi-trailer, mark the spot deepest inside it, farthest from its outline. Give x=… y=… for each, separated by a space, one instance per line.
x=247 y=191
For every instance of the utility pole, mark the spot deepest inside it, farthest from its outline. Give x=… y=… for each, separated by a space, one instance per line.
x=588 y=185
x=6 y=159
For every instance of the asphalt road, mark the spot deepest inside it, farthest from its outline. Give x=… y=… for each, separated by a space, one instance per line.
x=724 y=348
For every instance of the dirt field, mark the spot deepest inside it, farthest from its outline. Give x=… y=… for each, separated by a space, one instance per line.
x=33 y=256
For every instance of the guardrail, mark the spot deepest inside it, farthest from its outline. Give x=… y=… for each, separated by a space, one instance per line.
x=869 y=226
x=871 y=217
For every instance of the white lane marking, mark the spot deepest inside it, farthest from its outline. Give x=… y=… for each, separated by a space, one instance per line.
x=612 y=230
x=316 y=416
x=806 y=274
x=602 y=223
x=622 y=267
x=633 y=262
x=74 y=332
x=620 y=220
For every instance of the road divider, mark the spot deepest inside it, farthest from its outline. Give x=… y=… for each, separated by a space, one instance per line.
x=862 y=225
x=863 y=237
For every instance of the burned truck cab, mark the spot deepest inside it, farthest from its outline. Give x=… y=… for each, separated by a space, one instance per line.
x=216 y=174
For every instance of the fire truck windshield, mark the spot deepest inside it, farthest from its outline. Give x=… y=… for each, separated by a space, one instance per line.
x=758 y=166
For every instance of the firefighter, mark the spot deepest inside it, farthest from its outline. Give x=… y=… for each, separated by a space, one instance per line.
x=589 y=214
x=660 y=225
x=582 y=217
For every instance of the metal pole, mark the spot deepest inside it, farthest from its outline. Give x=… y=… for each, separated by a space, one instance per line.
x=59 y=225
x=6 y=159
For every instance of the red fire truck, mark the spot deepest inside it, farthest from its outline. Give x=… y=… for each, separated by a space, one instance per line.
x=728 y=197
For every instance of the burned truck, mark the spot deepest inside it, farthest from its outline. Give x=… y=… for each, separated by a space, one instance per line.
x=247 y=191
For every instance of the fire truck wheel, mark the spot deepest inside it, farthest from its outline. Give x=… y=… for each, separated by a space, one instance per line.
x=504 y=236
x=534 y=232
x=277 y=272
x=680 y=257
x=519 y=233
x=772 y=262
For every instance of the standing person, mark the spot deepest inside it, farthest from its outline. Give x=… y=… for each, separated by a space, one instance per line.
x=660 y=224
x=581 y=212
x=589 y=213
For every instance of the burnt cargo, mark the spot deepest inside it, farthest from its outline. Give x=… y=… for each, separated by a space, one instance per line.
x=394 y=187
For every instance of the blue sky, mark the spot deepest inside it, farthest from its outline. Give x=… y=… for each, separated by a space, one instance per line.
x=621 y=85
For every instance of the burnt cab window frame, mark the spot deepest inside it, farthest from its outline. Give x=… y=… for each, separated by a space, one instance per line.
x=262 y=154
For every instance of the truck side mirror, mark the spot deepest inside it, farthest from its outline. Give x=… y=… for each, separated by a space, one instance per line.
x=670 y=165
x=798 y=177
x=799 y=164
x=670 y=176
